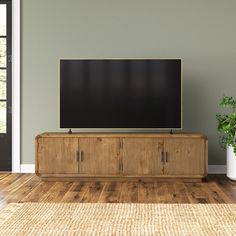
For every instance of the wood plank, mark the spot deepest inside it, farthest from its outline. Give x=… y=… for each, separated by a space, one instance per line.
x=93 y=192
x=195 y=190
x=76 y=192
x=147 y=192
x=216 y=195
x=181 y=191
x=111 y=193
x=8 y=180
x=56 y=192
x=37 y=193
x=3 y=175
x=163 y=195
x=177 y=192
x=32 y=182
x=28 y=188
x=14 y=188
x=17 y=183
x=129 y=192
x=227 y=187
x=174 y=197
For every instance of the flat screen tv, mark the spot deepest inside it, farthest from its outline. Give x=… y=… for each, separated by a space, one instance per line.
x=126 y=94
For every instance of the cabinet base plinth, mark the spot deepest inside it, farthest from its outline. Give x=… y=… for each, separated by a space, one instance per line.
x=69 y=178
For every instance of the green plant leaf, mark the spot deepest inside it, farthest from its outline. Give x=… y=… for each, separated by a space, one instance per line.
x=227 y=123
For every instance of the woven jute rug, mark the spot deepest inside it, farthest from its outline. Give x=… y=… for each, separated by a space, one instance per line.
x=117 y=219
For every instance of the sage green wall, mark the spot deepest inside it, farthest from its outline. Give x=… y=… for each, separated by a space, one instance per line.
x=201 y=32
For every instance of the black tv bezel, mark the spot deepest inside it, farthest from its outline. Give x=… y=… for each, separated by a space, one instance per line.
x=124 y=130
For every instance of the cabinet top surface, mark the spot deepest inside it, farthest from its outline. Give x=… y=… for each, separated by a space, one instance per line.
x=120 y=135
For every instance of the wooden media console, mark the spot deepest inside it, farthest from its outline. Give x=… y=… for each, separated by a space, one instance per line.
x=121 y=156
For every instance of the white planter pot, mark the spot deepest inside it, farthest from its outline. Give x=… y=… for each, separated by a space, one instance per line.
x=231 y=163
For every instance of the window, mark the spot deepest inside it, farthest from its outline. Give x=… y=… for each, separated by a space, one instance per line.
x=5 y=60
x=5 y=85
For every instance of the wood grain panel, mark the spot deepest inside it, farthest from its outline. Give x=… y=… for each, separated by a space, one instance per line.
x=100 y=156
x=141 y=156
x=57 y=156
x=184 y=156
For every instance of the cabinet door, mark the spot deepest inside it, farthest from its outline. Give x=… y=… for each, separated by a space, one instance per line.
x=99 y=156
x=142 y=156
x=184 y=156
x=57 y=155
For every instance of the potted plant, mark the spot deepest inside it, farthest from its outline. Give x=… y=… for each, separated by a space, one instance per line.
x=227 y=126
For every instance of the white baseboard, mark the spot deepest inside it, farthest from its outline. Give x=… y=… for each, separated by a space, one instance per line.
x=217 y=169
x=212 y=169
x=27 y=168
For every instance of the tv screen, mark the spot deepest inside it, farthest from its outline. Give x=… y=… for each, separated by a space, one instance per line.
x=120 y=93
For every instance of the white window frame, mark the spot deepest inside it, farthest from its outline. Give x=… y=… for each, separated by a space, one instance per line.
x=16 y=72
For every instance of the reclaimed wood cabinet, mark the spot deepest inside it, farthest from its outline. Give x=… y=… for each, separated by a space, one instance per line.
x=57 y=155
x=141 y=156
x=183 y=156
x=107 y=156
x=99 y=156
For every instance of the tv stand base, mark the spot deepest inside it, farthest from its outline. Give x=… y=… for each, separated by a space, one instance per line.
x=122 y=156
x=70 y=178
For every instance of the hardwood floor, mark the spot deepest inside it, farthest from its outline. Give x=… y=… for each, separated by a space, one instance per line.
x=29 y=188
